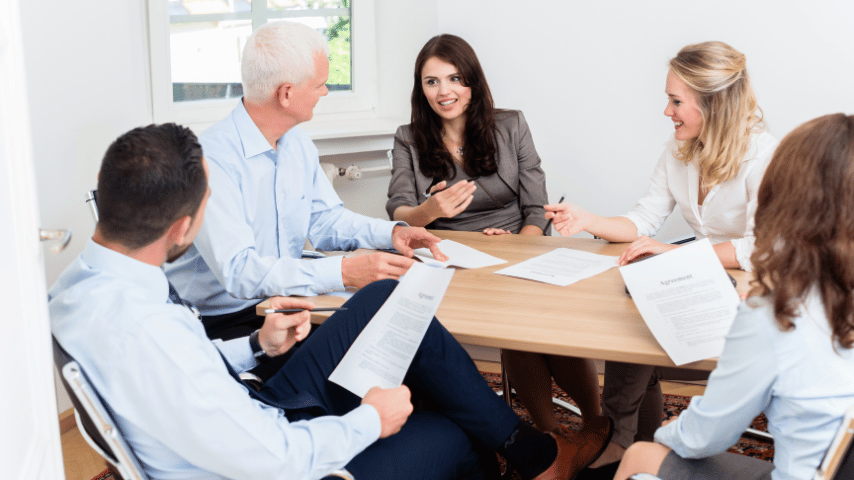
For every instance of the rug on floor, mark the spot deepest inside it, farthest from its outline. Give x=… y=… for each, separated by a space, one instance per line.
x=673 y=404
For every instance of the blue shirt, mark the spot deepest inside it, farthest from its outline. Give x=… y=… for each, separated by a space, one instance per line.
x=171 y=395
x=264 y=203
x=802 y=384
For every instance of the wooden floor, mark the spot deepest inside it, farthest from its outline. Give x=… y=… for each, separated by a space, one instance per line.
x=82 y=463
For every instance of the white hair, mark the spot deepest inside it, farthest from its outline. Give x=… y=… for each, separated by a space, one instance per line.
x=277 y=53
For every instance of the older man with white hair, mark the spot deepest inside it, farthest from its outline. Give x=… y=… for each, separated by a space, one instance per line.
x=269 y=195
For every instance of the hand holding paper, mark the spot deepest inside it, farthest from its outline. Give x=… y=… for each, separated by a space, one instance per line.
x=381 y=354
x=686 y=299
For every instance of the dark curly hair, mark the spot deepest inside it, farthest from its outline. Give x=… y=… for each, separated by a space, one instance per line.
x=150 y=177
x=805 y=224
x=479 y=153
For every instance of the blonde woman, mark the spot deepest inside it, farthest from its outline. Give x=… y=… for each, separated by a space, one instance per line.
x=711 y=168
x=789 y=351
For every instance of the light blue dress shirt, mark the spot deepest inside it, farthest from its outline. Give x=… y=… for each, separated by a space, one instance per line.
x=802 y=384
x=181 y=412
x=264 y=203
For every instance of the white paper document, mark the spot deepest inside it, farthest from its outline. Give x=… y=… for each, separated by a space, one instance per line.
x=459 y=255
x=561 y=267
x=381 y=354
x=686 y=299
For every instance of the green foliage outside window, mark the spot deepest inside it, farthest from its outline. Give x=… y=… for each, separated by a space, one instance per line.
x=338 y=34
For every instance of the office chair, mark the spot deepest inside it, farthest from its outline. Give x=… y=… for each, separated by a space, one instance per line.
x=94 y=420
x=838 y=462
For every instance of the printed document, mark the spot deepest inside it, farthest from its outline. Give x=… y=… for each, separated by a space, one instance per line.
x=381 y=354
x=459 y=255
x=686 y=299
x=561 y=267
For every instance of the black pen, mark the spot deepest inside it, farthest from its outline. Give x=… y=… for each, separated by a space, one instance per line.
x=297 y=310
x=549 y=224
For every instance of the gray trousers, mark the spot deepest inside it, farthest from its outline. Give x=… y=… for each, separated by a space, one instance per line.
x=724 y=466
x=632 y=398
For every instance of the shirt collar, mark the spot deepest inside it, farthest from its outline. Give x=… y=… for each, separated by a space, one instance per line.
x=147 y=278
x=251 y=138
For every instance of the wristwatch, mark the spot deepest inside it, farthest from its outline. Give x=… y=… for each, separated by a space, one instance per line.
x=257 y=351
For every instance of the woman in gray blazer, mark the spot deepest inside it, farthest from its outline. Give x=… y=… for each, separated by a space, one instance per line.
x=464 y=165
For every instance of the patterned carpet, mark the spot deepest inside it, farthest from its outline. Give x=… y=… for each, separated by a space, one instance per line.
x=673 y=404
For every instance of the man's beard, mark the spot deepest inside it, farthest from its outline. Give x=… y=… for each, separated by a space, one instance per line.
x=176 y=252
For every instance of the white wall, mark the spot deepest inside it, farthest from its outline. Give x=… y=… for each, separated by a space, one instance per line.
x=590 y=76
x=88 y=83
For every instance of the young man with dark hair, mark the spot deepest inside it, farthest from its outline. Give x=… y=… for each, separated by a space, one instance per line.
x=175 y=394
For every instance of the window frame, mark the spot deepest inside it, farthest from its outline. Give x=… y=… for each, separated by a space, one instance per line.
x=360 y=101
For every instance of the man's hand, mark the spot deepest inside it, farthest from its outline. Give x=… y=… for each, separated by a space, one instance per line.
x=360 y=270
x=393 y=405
x=643 y=246
x=281 y=331
x=407 y=239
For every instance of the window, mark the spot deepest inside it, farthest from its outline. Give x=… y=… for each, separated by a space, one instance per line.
x=196 y=47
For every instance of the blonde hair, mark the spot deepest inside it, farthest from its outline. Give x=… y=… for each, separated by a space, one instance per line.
x=717 y=74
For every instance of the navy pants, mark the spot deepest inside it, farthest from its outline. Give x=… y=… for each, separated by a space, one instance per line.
x=459 y=421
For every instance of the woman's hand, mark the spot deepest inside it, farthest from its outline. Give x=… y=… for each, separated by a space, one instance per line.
x=496 y=231
x=569 y=219
x=448 y=203
x=641 y=247
x=670 y=420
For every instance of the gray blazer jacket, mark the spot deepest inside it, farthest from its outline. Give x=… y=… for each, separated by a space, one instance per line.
x=518 y=167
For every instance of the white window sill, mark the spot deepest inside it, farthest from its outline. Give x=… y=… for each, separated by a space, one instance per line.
x=344 y=136
x=336 y=137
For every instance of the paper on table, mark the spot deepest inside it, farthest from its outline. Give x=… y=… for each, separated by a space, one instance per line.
x=459 y=255
x=381 y=354
x=686 y=299
x=561 y=266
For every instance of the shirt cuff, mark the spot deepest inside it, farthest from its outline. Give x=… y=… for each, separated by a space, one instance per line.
x=384 y=241
x=238 y=353
x=743 y=251
x=329 y=278
x=367 y=420
x=641 y=226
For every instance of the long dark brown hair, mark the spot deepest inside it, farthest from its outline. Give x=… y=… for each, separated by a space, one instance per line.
x=805 y=224
x=479 y=151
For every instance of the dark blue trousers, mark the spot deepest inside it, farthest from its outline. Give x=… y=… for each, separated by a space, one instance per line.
x=459 y=421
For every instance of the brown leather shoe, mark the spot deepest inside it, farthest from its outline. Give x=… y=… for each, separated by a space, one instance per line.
x=591 y=441
x=560 y=468
x=577 y=450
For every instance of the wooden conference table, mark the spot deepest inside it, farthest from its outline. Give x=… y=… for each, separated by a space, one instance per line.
x=593 y=318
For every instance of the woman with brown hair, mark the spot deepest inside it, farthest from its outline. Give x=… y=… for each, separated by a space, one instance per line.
x=789 y=351
x=464 y=165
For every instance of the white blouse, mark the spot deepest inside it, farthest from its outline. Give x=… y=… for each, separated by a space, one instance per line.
x=727 y=211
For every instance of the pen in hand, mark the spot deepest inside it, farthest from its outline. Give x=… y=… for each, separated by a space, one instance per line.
x=297 y=310
x=549 y=224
